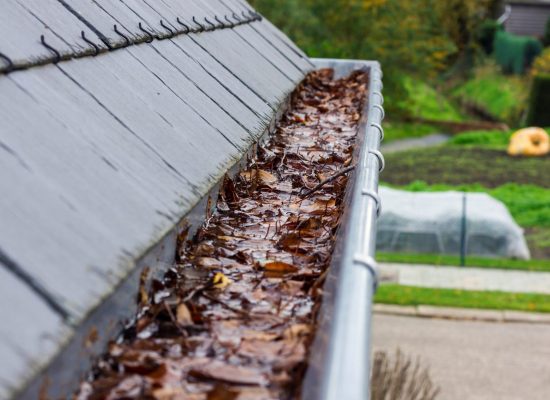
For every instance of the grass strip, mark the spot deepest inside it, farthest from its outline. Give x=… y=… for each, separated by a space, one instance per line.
x=471 y=262
x=498 y=140
x=414 y=296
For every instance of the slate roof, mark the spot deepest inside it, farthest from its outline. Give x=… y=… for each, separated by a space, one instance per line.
x=101 y=156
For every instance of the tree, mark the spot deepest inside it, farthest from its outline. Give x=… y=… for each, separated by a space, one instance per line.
x=463 y=20
x=400 y=33
x=406 y=36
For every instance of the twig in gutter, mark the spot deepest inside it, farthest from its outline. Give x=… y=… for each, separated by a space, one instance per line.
x=328 y=180
x=196 y=291
x=224 y=304
x=175 y=320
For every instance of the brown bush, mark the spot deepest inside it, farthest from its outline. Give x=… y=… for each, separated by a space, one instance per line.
x=398 y=378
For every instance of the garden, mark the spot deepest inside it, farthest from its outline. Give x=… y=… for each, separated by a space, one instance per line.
x=461 y=74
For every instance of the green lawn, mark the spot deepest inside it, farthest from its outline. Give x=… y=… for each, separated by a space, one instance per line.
x=411 y=296
x=419 y=100
x=471 y=262
x=485 y=139
x=423 y=101
x=502 y=96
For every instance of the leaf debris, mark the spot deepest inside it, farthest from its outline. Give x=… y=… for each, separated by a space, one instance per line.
x=235 y=317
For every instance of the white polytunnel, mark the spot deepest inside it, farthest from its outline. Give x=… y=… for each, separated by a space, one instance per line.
x=420 y=222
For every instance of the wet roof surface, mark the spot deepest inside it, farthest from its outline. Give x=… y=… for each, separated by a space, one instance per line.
x=101 y=156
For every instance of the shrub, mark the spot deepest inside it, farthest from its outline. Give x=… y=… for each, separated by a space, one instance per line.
x=539 y=101
x=418 y=38
x=486 y=35
x=406 y=36
x=463 y=20
x=399 y=378
x=546 y=38
x=542 y=64
x=502 y=96
x=515 y=53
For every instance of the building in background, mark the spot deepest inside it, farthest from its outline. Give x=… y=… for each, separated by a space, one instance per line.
x=526 y=17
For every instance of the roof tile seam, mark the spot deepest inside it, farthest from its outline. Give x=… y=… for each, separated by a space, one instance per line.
x=85 y=22
x=231 y=22
x=47 y=297
x=273 y=107
x=272 y=45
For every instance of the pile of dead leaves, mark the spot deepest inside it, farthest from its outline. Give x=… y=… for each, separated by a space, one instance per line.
x=235 y=317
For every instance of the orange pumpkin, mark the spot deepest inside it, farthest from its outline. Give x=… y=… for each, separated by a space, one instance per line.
x=529 y=142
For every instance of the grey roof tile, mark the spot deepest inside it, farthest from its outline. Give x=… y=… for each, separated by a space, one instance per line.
x=102 y=156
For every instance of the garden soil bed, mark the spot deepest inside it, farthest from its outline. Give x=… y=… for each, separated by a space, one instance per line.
x=490 y=168
x=456 y=166
x=235 y=317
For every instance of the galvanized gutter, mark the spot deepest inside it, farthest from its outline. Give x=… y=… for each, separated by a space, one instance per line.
x=340 y=356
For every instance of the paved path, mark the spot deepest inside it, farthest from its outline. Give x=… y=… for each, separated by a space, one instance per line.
x=416 y=143
x=466 y=278
x=472 y=360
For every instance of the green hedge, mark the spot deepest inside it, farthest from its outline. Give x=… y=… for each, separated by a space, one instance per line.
x=486 y=35
x=539 y=102
x=546 y=38
x=515 y=53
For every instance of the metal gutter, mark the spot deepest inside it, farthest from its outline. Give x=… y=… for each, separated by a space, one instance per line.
x=340 y=355
x=339 y=366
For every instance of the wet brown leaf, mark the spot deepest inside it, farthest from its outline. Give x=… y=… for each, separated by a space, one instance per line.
x=223 y=392
x=169 y=393
x=205 y=249
x=183 y=315
x=277 y=267
x=296 y=331
x=209 y=263
x=234 y=318
x=219 y=371
x=262 y=176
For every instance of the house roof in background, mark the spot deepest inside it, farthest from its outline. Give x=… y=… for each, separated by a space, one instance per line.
x=529 y=2
x=528 y=18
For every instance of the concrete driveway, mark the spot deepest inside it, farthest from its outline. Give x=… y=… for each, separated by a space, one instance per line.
x=473 y=360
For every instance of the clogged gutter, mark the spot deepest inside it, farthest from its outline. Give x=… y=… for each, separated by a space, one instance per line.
x=234 y=318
